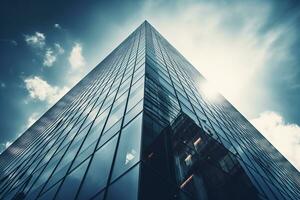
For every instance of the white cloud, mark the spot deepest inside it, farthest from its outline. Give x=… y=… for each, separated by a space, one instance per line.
x=76 y=58
x=36 y=40
x=41 y=90
x=78 y=65
x=49 y=58
x=284 y=136
x=51 y=55
x=58 y=48
x=57 y=26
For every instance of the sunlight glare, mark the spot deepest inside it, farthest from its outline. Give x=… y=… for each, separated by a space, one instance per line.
x=209 y=91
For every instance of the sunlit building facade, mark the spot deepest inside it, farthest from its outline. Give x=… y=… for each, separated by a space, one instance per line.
x=144 y=125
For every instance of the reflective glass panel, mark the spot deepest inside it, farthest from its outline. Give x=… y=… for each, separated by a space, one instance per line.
x=126 y=187
x=129 y=147
x=71 y=184
x=98 y=171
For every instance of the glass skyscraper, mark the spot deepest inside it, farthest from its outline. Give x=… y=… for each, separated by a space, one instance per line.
x=141 y=125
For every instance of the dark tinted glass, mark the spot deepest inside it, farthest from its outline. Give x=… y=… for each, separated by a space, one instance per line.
x=126 y=187
x=98 y=171
x=129 y=147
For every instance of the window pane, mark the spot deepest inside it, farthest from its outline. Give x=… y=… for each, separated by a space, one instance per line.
x=126 y=187
x=98 y=196
x=93 y=135
x=110 y=133
x=50 y=194
x=133 y=112
x=129 y=147
x=98 y=171
x=117 y=111
x=69 y=188
x=136 y=93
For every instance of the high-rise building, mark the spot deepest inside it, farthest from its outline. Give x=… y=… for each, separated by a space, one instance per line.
x=144 y=125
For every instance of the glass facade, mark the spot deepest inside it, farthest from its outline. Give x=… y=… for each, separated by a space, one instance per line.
x=141 y=125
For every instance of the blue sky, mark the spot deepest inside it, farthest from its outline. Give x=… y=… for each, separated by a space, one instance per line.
x=248 y=50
